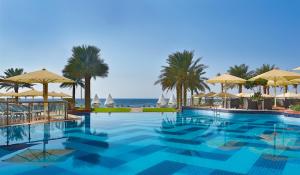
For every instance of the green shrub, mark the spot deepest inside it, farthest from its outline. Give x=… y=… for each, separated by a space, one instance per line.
x=159 y=110
x=296 y=107
x=111 y=110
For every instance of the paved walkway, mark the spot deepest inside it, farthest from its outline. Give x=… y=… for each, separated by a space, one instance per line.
x=136 y=110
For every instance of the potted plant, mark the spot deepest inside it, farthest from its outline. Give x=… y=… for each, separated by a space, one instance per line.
x=257 y=97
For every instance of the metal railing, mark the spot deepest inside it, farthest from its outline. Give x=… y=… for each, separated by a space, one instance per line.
x=12 y=113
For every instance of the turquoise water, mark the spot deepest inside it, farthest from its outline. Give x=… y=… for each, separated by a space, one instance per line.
x=192 y=142
x=126 y=102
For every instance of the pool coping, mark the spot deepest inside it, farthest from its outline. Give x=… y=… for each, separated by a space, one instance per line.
x=286 y=113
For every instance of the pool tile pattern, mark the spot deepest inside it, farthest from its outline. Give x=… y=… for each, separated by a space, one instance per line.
x=192 y=142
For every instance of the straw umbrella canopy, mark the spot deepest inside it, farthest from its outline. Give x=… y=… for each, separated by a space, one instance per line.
x=11 y=94
x=277 y=75
x=200 y=95
x=31 y=93
x=58 y=94
x=43 y=77
x=225 y=95
x=288 y=95
x=210 y=94
x=243 y=95
x=226 y=79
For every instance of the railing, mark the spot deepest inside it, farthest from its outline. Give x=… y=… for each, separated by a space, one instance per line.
x=12 y=113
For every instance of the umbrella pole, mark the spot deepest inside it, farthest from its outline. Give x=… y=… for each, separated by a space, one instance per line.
x=225 y=103
x=45 y=96
x=275 y=102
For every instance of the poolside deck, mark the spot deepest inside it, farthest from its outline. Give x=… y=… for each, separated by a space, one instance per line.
x=285 y=112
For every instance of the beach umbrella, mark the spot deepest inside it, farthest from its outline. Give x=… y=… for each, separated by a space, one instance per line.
x=96 y=101
x=11 y=94
x=225 y=95
x=43 y=77
x=64 y=95
x=288 y=95
x=31 y=93
x=200 y=95
x=172 y=102
x=243 y=95
x=277 y=75
x=298 y=68
x=210 y=94
x=226 y=79
x=109 y=102
x=161 y=102
x=58 y=94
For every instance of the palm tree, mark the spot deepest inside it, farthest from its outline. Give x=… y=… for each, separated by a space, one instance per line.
x=86 y=64
x=180 y=73
x=15 y=86
x=196 y=80
x=78 y=82
x=241 y=71
x=264 y=68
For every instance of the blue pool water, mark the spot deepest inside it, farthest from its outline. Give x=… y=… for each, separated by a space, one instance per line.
x=126 y=102
x=192 y=142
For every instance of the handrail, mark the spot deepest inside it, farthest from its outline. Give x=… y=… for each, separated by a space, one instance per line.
x=15 y=112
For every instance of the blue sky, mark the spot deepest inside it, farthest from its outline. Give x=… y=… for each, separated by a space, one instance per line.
x=136 y=36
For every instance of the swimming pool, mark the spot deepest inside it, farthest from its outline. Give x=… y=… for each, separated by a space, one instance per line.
x=191 y=142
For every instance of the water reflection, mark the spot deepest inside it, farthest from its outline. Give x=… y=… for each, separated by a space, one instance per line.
x=258 y=133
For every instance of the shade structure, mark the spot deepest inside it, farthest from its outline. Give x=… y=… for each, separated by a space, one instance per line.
x=283 y=82
x=44 y=77
x=226 y=79
x=11 y=94
x=225 y=95
x=200 y=95
x=248 y=95
x=288 y=95
x=109 y=102
x=58 y=94
x=31 y=93
x=210 y=94
x=162 y=102
x=172 y=102
x=298 y=68
x=277 y=75
x=64 y=95
x=96 y=101
x=243 y=95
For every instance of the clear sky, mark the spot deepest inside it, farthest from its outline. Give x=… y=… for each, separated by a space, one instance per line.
x=136 y=36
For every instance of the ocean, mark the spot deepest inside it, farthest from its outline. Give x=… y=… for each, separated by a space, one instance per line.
x=125 y=102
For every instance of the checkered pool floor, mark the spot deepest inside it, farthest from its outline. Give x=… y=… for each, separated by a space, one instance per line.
x=191 y=142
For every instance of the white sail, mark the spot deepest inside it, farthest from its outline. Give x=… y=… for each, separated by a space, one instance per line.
x=109 y=102
x=96 y=101
x=172 y=102
x=161 y=101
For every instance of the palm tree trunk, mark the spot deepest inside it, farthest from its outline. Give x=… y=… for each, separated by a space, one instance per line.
x=179 y=96
x=222 y=87
x=73 y=94
x=265 y=89
x=16 y=89
x=87 y=92
x=184 y=95
x=240 y=88
x=192 y=99
x=285 y=89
